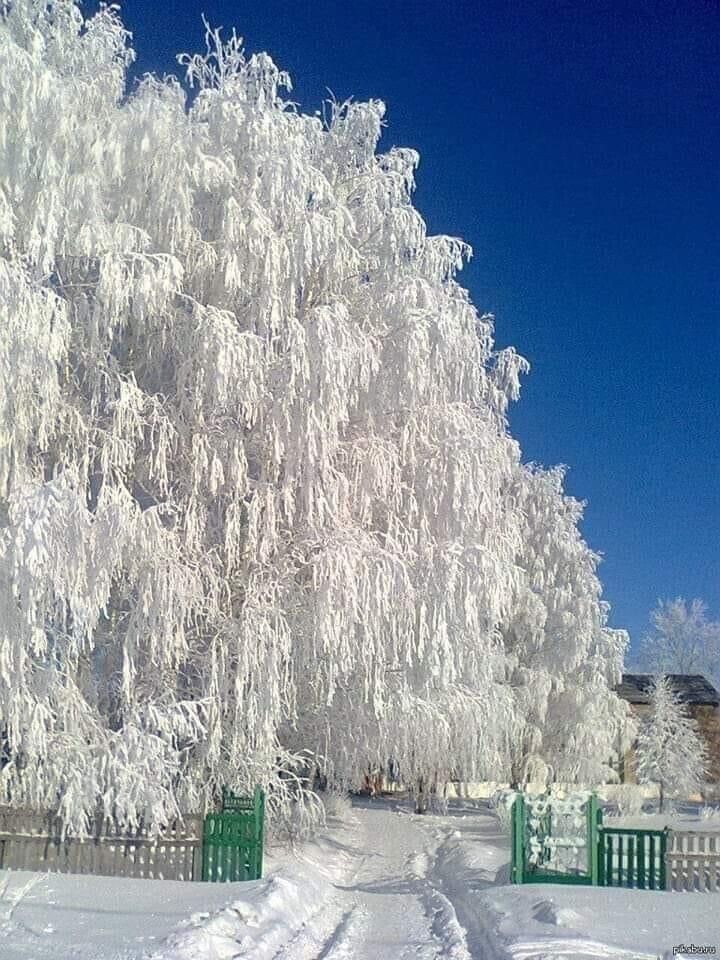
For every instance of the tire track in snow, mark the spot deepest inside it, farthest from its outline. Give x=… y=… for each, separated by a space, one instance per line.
x=324 y=937
x=388 y=907
x=446 y=928
x=572 y=949
x=9 y=899
x=339 y=945
x=479 y=941
x=317 y=935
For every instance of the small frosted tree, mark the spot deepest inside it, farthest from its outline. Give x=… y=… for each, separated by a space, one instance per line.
x=683 y=640
x=669 y=751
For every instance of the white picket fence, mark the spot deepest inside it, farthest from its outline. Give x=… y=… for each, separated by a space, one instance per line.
x=693 y=861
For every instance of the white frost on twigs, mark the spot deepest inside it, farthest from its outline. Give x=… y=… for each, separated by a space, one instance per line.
x=258 y=499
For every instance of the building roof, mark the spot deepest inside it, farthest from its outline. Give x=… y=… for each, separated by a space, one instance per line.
x=692 y=688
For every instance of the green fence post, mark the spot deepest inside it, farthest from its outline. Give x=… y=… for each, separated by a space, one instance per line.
x=517 y=841
x=513 y=832
x=594 y=820
x=259 y=831
x=641 y=861
x=663 y=856
x=223 y=850
x=209 y=846
x=632 y=869
x=651 y=871
x=546 y=828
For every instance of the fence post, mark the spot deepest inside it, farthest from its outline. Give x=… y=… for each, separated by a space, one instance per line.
x=665 y=873
x=207 y=829
x=518 y=839
x=594 y=822
x=259 y=831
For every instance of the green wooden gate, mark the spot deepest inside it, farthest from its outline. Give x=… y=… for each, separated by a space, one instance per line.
x=538 y=841
x=633 y=858
x=614 y=856
x=233 y=839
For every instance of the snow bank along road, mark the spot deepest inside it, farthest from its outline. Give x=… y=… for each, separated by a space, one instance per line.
x=384 y=884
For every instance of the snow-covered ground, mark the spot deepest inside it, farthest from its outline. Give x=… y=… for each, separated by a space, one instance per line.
x=383 y=884
x=541 y=921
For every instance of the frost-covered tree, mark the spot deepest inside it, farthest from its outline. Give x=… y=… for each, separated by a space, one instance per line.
x=683 y=640
x=258 y=498
x=669 y=750
x=562 y=659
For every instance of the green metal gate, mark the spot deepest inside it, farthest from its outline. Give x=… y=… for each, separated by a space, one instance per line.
x=233 y=839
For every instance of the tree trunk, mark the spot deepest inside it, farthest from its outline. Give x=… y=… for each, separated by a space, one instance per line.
x=420 y=796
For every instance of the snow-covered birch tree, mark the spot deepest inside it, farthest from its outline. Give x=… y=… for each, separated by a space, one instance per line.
x=669 y=750
x=258 y=497
x=683 y=640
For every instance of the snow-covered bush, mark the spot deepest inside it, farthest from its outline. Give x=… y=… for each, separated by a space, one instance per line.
x=501 y=804
x=710 y=813
x=439 y=802
x=336 y=802
x=629 y=799
x=293 y=817
x=258 y=497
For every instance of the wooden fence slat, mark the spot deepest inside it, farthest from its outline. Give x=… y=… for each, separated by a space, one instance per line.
x=693 y=860
x=714 y=857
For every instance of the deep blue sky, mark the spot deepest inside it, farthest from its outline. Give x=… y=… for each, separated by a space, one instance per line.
x=576 y=147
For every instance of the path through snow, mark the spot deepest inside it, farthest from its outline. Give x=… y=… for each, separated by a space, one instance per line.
x=388 y=906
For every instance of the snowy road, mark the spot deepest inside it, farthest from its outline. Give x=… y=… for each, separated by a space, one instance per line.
x=388 y=907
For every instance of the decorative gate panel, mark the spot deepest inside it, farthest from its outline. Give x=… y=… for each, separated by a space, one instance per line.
x=555 y=840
